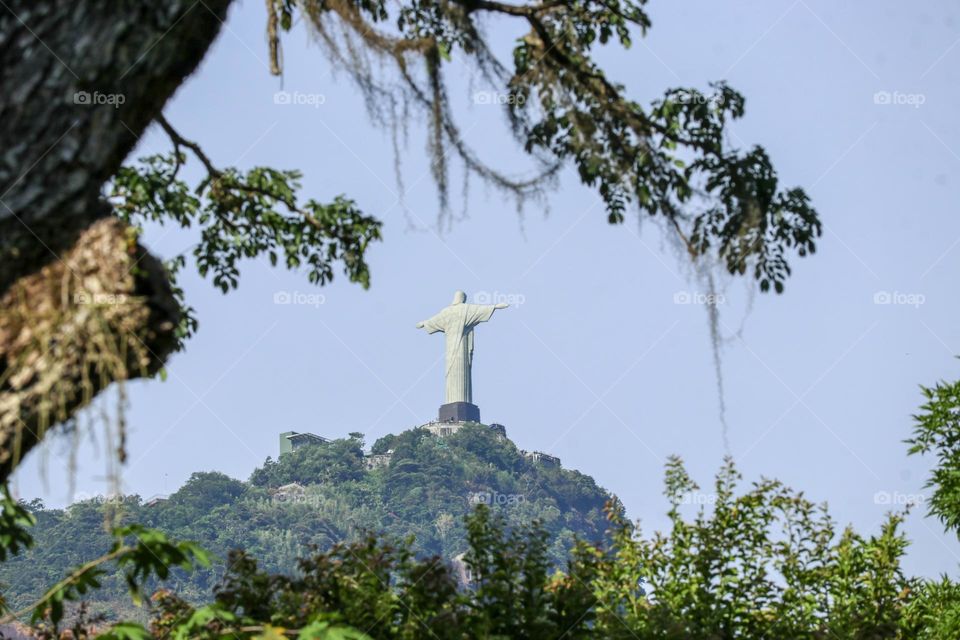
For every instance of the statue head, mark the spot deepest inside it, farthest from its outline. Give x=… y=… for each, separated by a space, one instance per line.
x=459 y=297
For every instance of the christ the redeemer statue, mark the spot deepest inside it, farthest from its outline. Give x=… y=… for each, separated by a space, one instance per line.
x=457 y=322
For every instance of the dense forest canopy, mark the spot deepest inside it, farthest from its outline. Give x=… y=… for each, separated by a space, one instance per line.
x=424 y=495
x=763 y=562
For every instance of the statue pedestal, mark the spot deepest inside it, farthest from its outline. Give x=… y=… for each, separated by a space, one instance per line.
x=459 y=412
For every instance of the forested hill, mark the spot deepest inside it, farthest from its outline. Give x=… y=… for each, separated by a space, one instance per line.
x=425 y=491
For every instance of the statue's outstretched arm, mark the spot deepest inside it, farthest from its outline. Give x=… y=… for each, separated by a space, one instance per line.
x=501 y=305
x=431 y=327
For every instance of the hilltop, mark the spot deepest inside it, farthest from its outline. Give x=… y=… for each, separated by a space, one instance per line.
x=414 y=484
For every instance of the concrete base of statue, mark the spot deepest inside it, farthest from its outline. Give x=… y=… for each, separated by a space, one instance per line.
x=459 y=412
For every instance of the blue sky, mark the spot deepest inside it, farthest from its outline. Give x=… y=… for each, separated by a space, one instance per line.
x=600 y=362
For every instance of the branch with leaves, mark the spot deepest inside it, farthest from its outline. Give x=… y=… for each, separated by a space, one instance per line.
x=937 y=432
x=138 y=551
x=244 y=215
x=669 y=159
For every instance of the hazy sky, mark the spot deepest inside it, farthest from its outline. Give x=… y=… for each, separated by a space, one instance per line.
x=599 y=364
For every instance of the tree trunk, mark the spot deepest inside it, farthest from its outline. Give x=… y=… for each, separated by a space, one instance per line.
x=83 y=304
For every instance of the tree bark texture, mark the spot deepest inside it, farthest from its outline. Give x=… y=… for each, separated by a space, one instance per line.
x=83 y=303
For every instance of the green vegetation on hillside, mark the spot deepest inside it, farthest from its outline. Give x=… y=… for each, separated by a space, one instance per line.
x=424 y=494
x=761 y=564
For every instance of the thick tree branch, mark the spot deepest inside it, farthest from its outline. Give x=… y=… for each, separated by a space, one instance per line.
x=83 y=304
x=79 y=83
x=216 y=174
x=103 y=313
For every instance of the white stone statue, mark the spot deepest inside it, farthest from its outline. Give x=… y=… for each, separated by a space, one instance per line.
x=457 y=322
